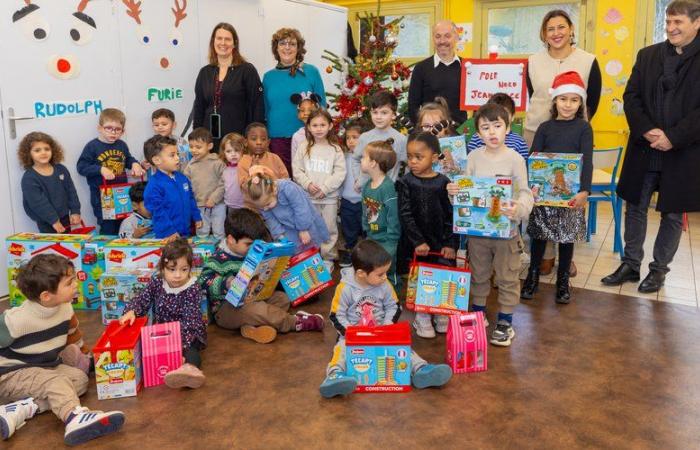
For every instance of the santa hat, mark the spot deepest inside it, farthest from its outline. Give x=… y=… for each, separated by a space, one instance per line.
x=568 y=83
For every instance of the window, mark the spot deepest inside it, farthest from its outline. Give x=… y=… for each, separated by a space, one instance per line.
x=414 y=37
x=651 y=22
x=660 y=20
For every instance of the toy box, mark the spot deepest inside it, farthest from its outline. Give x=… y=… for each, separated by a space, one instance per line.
x=202 y=248
x=115 y=201
x=117 y=356
x=453 y=156
x=466 y=343
x=22 y=247
x=137 y=253
x=92 y=258
x=379 y=358
x=161 y=351
x=441 y=289
x=477 y=207
x=260 y=272
x=120 y=286
x=305 y=277
x=554 y=177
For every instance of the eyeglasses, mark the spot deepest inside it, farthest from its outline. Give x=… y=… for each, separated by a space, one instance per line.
x=114 y=130
x=287 y=43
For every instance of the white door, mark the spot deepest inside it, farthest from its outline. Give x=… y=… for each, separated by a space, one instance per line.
x=6 y=227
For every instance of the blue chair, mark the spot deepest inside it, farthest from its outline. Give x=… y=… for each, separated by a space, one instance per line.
x=605 y=164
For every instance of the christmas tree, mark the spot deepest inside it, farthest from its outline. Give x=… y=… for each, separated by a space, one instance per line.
x=374 y=69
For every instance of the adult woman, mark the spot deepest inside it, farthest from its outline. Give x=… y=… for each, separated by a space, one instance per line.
x=559 y=55
x=290 y=76
x=228 y=92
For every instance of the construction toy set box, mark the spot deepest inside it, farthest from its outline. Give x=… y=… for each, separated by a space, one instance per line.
x=115 y=201
x=305 y=277
x=477 y=207
x=119 y=287
x=453 y=156
x=117 y=356
x=441 y=289
x=555 y=178
x=466 y=343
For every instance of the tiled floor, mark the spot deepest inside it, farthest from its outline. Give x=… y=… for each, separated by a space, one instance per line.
x=595 y=259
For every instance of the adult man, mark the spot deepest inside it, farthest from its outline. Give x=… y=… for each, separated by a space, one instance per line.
x=662 y=105
x=438 y=75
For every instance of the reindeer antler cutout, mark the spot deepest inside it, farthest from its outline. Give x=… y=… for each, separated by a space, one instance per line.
x=134 y=10
x=179 y=11
x=82 y=5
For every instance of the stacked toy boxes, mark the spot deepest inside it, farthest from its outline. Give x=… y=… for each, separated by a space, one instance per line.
x=305 y=277
x=555 y=178
x=119 y=286
x=477 y=207
x=93 y=266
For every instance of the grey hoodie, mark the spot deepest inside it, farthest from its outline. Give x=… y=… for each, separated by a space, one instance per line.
x=350 y=299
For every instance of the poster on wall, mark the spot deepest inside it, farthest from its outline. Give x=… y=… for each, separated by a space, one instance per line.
x=481 y=78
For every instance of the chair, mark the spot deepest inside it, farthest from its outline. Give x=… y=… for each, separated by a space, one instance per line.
x=605 y=164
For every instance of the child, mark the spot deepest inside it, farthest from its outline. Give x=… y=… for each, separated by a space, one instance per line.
x=425 y=213
x=48 y=193
x=383 y=106
x=163 y=122
x=380 y=211
x=260 y=320
x=174 y=296
x=567 y=132
x=502 y=255
x=287 y=210
x=168 y=195
x=513 y=140
x=319 y=167
x=369 y=286
x=106 y=160
x=307 y=102
x=434 y=117
x=258 y=153
x=350 y=201
x=231 y=150
x=138 y=224
x=205 y=171
x=31 y=372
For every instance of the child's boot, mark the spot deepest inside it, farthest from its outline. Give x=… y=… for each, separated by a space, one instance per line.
x=309 y=322
x=563 y=293
x=424 y=326
x=84 y=424
x=531 y=282
x=431 y=375
x=187 y=375
x=14 y=415
x=337 y=383
x=264 y=334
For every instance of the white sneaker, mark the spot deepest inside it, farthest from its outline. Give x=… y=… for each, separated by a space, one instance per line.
x=423 y=325
x=441 y=324
x=330 y=266
x=14 y=415
x=87 y=425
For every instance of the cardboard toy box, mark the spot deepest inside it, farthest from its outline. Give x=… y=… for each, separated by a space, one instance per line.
x=453 y=156
x=441 y=289
x=305 y=277
x=477 y=207
x=136 y=253
x=466 y=343
x=555 y=178
x=260 y=272
x=202 y=248
x=119 y=287
x=379 y=358
x=115 y=201
x=22 y=247
x=93 y=266
x=117 y=356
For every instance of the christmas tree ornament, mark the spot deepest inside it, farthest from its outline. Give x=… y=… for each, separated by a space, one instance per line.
x=368 y=80
x=329 y=69
x=394 y=76
x=373 y=39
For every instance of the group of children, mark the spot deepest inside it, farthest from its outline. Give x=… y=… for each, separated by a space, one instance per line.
x=245 y=193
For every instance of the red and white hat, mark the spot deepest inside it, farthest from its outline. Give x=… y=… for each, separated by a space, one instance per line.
x=568 y=83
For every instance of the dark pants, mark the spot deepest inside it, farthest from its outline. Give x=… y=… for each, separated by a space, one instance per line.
x=48 y=228
x=110 y=227
x=192 y=354
x=282 y=147
x=668 y=237
x=350 y=222
x=566 y=255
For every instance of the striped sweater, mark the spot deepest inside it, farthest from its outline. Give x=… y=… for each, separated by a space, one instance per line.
x=32 y=335
x=220 y=266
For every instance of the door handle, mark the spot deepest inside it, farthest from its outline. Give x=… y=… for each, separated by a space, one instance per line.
x=12 y=119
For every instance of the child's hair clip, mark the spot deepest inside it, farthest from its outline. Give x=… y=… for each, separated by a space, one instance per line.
x=298 y=98
x=438 y=127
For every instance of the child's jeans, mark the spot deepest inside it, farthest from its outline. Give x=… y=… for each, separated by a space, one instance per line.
x=273 y=312
x=212 y=221
x=337 y=363
x=351 y=222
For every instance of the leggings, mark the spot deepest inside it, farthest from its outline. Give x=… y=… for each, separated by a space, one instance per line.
x=566 y=254
x=192 y=355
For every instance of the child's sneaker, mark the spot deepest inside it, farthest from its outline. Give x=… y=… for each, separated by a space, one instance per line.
x=431 y=375
x=309 y=322
x=503 y=334
x=14 y=415
x=424 y=326
x=330 y=266
x=264 y=334
x=84 y=425
x=187 y=375
x=337 y=383
x=74 y=357
x=345 y=259
x=441 y=324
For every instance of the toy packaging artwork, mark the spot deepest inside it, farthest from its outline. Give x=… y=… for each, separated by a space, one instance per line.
x=115 y=201
x=202 y=249
x=477 y=207
x=441 y=289
x=466 y=343
x=93 y=266
x=260 y=272
x=453 y=156
x=555 y=178
x=161 y=351
x=117 y=356
x=305 y=277
x=119 y=287
x=379 y=358
x=137 y=253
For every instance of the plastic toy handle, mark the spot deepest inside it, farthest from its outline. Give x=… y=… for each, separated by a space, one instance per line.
x=458 y=258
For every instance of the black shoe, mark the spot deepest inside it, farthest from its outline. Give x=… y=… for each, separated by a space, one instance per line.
x=345 y=260
x=531 y=282
x=623 y=273
x=652 y=282
x=563 y=293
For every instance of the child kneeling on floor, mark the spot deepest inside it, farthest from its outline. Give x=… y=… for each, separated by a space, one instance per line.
x=260 y=320
x=32 y=374
x=175 y=296
x=369 y=286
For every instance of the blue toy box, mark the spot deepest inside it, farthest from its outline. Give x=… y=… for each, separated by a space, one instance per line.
x=305 y=277
x=477 y=207
x=379 y=358
x=120 y=286
x=441 y=289
x=93 y=266
x=202 y=249
x=260 y=272
x=115 y=201
x=453 y=156
x=555 y=178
